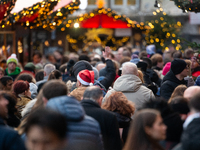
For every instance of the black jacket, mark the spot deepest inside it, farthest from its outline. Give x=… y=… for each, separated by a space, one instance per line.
x=9 y=139
x=108 y=123
x=191 y=136
x=169 y=83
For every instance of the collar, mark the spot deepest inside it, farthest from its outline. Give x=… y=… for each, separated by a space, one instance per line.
x=190 y=119
x=90 y=102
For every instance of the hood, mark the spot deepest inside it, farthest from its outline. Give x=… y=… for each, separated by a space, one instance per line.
x=127 y=83
x=67 y=106
x=171 y=77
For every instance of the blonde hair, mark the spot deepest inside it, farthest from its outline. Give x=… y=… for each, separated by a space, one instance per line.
x=140 y=75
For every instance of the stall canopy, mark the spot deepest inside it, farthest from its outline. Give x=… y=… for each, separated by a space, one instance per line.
x=5 y=7
x=46 y=13
x=102 y=18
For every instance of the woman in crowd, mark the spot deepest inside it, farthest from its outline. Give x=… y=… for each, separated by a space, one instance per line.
x=56 y=74
x=179 y=90
x=22 y=91
x=123 y=109
x=146 y=131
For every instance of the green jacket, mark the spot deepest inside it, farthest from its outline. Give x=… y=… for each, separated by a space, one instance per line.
x=13 y=74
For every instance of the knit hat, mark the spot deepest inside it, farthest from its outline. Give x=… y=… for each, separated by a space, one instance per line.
x=81 y=65
x=12 y=58
x=166 y=68
x=30 y=67
x=178 y=65
x=86 y=77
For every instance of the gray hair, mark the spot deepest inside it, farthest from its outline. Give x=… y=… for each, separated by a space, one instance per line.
x=129 y=68
x=49 y=68
x=93 y=93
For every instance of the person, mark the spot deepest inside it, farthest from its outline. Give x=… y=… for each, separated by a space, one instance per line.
x=180 y=104
x=2 y=72
x=47 y=70
x=37 y=57
x=191 y=91
x=91 y=103
x=191 y=134
x=146 y=131
x=131 y=86
x=45 y=130
x=12 y=70
x=84 y=131
x=123 y=109
x=23 y=94
x=12 y=120
x=120 y=53
x=157 y=63
x=39 y=75
x=85 y=78
x=9 y=139
x=6 y=83
x=56 y=74
x=188 y=53
x=178 y=91
x=174 y=77
x=3 y=64
x=170 y=118
x=195 y=65
x=29 y=68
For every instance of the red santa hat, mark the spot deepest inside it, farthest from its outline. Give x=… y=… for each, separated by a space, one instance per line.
x=86 y=77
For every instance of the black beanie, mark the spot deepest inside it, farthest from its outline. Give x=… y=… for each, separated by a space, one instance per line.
x=178 y=65
x=81 y=65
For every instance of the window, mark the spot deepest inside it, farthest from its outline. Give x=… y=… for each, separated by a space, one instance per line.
x=119 y=4
x=131 y=2
x=91 y=2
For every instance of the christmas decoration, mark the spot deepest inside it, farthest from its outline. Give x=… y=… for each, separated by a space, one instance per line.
x=188 y=5
x=102 y=18
x=42 y=15
x=164 y=31
x=6 y=6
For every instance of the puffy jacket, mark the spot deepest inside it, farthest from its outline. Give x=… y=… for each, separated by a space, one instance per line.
x=9 y=139
x=131 y=86
x=83 y=131
x=169 y=83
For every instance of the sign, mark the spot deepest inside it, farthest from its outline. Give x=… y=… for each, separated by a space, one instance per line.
x=123 y=32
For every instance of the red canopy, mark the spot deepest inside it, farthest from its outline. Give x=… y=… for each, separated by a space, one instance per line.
x=103 y=21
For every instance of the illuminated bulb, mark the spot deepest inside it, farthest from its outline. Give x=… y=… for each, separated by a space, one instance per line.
x=76 y=25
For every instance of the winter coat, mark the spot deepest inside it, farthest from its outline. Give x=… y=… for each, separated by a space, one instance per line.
x=78 y=93
x=108 y=123
x=13 y=74
x=9 y=139
x=131 y=86
x=169 y=83
x=191 y=136
x=83 y=131
x=21 y=103
x=39 y=84
x=124 y=123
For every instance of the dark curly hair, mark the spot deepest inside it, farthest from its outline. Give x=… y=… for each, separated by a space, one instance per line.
x=117 y=101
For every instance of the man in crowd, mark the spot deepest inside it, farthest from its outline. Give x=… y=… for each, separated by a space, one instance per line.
x=83 y=131
x=47 y=70
x=9 y=139
x=190 y=139
x=190 y=92
x=12 y=70
x=91 y=103
x=85 y=78
x=46 y=130
x=174 y=77
x=131 y=86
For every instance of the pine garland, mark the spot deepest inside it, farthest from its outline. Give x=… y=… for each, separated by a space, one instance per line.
x=188 y=5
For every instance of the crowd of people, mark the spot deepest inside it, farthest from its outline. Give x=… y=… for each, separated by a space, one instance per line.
x=129 y=99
